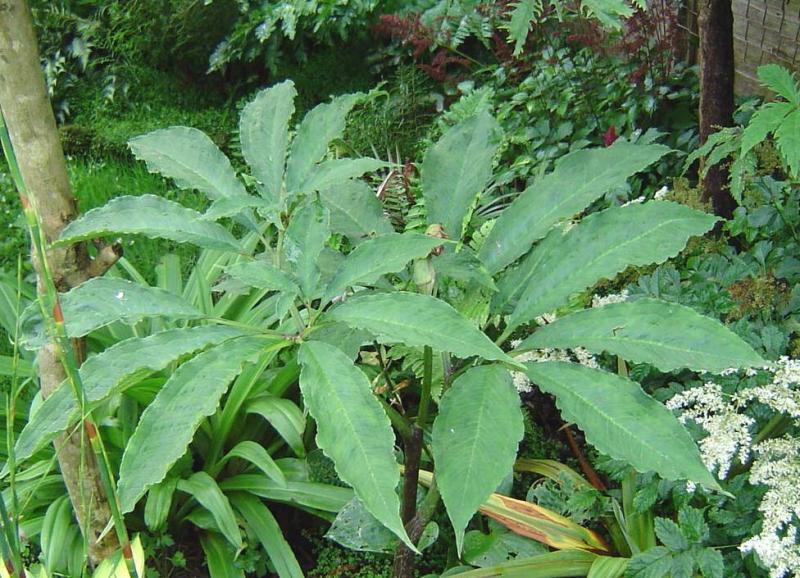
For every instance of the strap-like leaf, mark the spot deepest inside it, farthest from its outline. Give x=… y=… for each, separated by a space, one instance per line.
x=322 y=497
x=353 y=430
x=159 y=502
x=264 y=132
x=578 y=179
x=457 y=169
x=306 y=236
x=108 y=373
x=601 y=246
x=475 y=438
x=283 y=415
x=417 y=320
x=379 y=256
x=152 y=217
x=168 y=424
x=205 y=490
x=190 y=158
x=355 y=210
x=219 y=557
x=257 y=455
x=324 y=123
x=666 y=335
x=611 y=411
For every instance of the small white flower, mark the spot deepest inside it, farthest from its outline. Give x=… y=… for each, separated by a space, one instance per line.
x=598 y=301
x=120 y=295
x=661 y=193
x=636 y=201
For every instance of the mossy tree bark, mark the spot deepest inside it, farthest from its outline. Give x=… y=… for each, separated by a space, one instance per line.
x=32 y=129
x=715 y=25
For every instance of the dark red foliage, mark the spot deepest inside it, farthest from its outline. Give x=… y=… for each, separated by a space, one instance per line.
x=409 y=30
x=610 y=136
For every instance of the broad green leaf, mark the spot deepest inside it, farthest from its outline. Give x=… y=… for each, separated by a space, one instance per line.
x=159 y=503
x=264 y=132
x=322 y=497
x=330 y=173
x=780 y=81
x=666 y=335
x=353 y=430
x=108 y=373
x=168 y=424
x=763 y=122
x=305 y=238
x=417 y=320
x=475 y=439
x=105 y=300
x=152 y=217
x=233 y=206
x=378 y=256
x=600 y=246
x=611 y=411
x=522 y=14
x=498 y=546
x=340 y=335
x=191 y=159
x=457 y=169
x=269 y=533
x=788 y=137
x=355 y=210
x=320 y=126
x=257 y=455
x=219 y=557
x=356 y=529
x=262 y=275
x=283 y=415
x=463 y=266
x=578 y=179
x=205 y=490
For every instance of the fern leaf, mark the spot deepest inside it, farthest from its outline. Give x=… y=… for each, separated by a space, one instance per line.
x=780 y=81
x=788 y=137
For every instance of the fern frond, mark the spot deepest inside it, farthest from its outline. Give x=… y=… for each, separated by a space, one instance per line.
x=780 y=81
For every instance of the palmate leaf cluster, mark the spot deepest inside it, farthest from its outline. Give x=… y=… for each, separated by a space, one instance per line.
x=319 y=274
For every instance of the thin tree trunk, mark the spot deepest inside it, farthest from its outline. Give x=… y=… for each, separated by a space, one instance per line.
x=32 y=129
x=715 y=24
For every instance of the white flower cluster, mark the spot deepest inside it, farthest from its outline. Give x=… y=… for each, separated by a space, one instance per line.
x=579 y=355
x=777 y=461
x=598 y=301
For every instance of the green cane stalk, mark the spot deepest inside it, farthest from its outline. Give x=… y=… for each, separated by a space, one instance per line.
x=54 y=318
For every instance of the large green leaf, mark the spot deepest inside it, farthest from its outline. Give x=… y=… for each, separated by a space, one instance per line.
x=205 y=490
x=324 y=123
x=475 y=438
x=150 y=216
x=579 y=178
x=108 y=373
x=379 y=256
x=622 y=421
x=601 y=246
x=268 y=532
x=355 y=210
x=262 y=275
x=457 y=169
x=305 y=238
x=666 y=335
x=168 y=424
x=190 y=158
x=333 y=172
x=419 y=320
x=353 y=430
x=104 y=300
x=264 y=132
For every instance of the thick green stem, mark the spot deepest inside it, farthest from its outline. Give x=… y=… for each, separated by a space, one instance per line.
x=425 y=396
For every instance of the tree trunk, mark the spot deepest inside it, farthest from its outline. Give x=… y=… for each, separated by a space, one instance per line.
x=32 y=130
x=715 y=24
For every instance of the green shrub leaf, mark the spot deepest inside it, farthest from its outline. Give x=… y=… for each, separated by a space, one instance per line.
x=330 y=173
x=168 y=424
x=205 y=490
x=352 y=430
x=666 y=335
x=417 y=320
x=355 y=210
x=475 y=439
x=579 y=179
x=152 y=217
x=262 y=275
x=611 y=411
x=323 y=497
x=191 y=159
x=305 y=238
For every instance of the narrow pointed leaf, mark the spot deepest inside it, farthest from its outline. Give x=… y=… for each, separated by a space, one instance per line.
x=323 y=497
x=306 y=236
x=579 y=179
x=355 y=210
x=599 y=247
x=108 y=373
x=268 y=532
x=159 y=503
x=353 y=430
x=417 y=320
x=205 y=490
x=187 y=156
x=378 y=256
x=457 y=169
x=336 y=171
x=152 y=217
x=219 y=557
x=550 y=565
x=257 y=455
x=264 y=132
x=637 y=331
x=168 y=424
x=608 y=567
x=611 y=409
x=283 y=415
x=320 y=126
x=262 y=275
x=475 y=439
